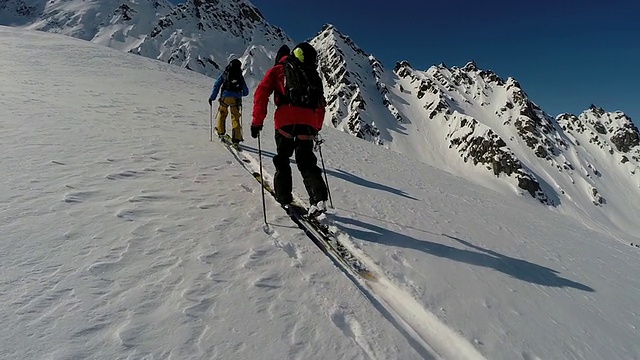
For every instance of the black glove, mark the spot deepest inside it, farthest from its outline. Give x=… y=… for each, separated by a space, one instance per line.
x=317 y=142
x=255 y=131
x=210 y=101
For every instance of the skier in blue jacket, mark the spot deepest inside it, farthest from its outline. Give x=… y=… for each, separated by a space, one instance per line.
x=233 y=87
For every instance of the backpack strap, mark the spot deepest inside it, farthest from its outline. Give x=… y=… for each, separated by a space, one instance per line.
x=286 y=62
x=278 y=96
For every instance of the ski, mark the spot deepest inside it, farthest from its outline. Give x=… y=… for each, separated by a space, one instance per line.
x=226 y=139
x=231 y=146
x=320 y=234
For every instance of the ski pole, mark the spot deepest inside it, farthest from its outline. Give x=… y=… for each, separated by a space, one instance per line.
x=324 y=170
x=210 y=122
x=264 y=207
x=240 y=119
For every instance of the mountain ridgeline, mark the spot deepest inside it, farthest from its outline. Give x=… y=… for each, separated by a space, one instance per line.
x=200 y=35
x=480 y=126
x=466 y=120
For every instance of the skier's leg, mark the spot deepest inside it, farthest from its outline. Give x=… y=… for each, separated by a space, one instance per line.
x=223 y=110
x=311 y=173
x=236 y=122
x=282 y=183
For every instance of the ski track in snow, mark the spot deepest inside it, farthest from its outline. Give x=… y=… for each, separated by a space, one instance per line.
x=430 y=337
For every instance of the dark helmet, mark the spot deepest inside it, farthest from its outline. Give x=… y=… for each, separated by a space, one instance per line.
x=235 y=64
x=284 y=50
x=306 y=53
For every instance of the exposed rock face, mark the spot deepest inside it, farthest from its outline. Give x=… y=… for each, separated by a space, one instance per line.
x=17 y=12
x=625 y=138
x=344 y=87
x=445 y=93
x=490 y=122
x=490 y=150
x=356 y=86
x=609 y=131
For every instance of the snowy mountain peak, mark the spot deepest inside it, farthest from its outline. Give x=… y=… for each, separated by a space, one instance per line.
x=470 y=66
x=237 y=17
x=607 y=129
x=339 y=39
x=353 y=84
x=204 y=35
x=115 y=23
x=401 y=65
x=201 y=35
x=596 y=109
x=484 y=114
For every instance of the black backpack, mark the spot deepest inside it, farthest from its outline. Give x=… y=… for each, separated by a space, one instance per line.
x=302 y=84
x=232 y=79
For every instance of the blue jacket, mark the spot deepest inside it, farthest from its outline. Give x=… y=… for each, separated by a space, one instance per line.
x=226 y=93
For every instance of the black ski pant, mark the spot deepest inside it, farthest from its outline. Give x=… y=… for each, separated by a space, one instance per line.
x=298 y=140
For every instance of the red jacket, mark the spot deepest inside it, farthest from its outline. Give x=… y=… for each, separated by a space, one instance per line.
x=286 y=114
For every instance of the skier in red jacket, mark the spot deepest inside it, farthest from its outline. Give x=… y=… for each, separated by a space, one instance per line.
x=298 y=118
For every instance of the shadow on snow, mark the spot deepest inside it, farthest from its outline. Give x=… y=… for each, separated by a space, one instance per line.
x=341 y=174
x=478 y=256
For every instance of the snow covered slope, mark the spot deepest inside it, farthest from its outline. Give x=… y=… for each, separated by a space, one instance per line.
x=198 y=35
x=476 y=125
x=127 y=234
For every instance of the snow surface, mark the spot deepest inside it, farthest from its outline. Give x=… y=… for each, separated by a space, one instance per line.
x=127 y=234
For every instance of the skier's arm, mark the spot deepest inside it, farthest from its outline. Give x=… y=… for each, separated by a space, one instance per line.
x=245 y=89
x=261 y=96
x=216 y=88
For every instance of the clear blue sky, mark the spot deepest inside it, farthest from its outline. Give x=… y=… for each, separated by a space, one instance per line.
x=566 y=54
